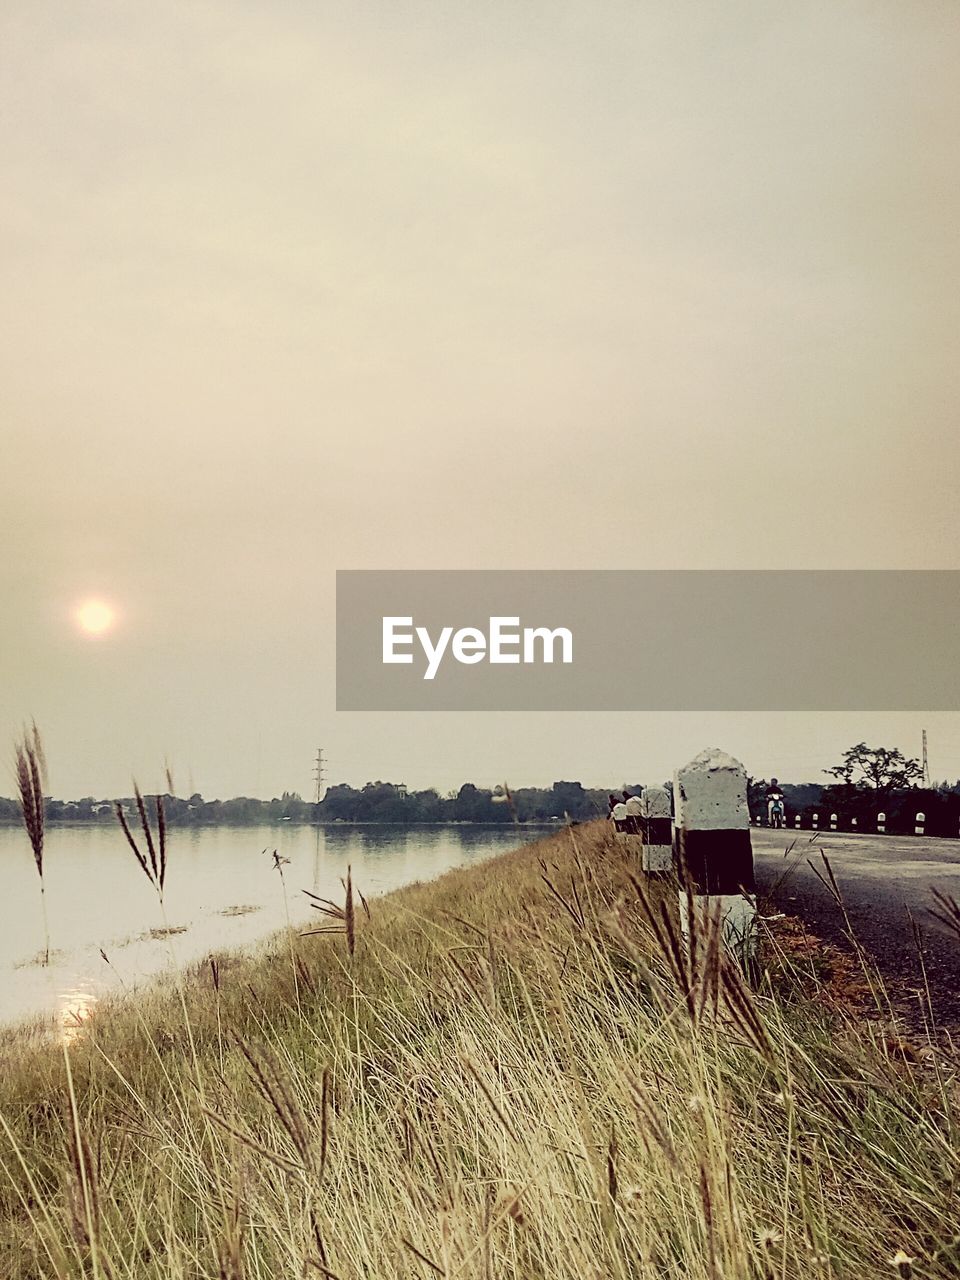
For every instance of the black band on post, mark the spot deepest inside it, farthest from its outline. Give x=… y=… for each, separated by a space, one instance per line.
x=656 y=830
x=716 y=862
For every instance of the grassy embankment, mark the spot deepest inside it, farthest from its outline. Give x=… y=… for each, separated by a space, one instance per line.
x=505 y=1078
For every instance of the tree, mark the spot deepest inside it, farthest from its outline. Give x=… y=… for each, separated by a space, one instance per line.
x=341 y=802
x=877 y=772
x=757 y=796
x=568 y=798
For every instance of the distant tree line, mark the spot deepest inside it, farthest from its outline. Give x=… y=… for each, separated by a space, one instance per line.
x=374 y=802
x=867 y=781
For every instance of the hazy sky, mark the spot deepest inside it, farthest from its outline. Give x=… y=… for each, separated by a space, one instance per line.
x=304 y=286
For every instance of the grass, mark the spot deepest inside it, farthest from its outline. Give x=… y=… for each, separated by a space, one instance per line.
x=514 y=1072
x=30 y=770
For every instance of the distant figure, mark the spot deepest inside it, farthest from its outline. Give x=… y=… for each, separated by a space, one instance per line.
x=619 y=815
x=611 y=804
x=776 y=807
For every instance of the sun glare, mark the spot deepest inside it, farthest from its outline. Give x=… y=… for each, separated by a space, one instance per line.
x=94 y=617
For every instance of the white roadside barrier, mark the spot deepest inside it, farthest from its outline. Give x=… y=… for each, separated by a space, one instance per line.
x=853 y=824
x=634 y=810
x=713 y=849
x=796 y=821
x=833 y=822
x=627 y=820
x=656 y=829
x=816 y=821
x=881 y=823
x=921 y=821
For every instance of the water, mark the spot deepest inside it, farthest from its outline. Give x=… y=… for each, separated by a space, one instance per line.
x=222 y=891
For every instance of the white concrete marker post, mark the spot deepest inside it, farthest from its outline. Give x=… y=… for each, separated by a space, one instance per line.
x=853 y=824
x=656 y=829
x=796 y=822
x=628 y=829
x=833 y=822
x=816 y=821
x=713 y=849
x=921 y=822
x=881 y=823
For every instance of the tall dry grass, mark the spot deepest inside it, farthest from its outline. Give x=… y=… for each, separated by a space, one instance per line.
x=30 y=768
x=518 y=1072
x=152 y=858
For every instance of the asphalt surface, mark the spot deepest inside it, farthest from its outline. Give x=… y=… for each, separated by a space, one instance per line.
x=883 y=881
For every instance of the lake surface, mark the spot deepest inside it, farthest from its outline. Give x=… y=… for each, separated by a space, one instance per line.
x=222 y=891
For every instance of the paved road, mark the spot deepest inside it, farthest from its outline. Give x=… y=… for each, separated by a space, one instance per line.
x=882 y=879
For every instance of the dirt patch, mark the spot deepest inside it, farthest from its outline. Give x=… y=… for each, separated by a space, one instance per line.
x=818 y=969
x=845 y=982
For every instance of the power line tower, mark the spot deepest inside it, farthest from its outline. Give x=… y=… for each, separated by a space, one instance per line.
x=926 y=764
x=318 y=773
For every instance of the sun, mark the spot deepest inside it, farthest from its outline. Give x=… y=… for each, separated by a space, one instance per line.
x=94 y=617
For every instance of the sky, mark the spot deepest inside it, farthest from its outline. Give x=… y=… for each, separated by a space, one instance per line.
x=306 y=286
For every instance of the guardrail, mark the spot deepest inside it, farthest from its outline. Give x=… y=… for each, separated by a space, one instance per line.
x=796 y=823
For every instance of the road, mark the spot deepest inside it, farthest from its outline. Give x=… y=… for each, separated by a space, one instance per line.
x=883 y=880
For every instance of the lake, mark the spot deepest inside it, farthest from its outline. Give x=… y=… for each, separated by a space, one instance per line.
x=222 y=891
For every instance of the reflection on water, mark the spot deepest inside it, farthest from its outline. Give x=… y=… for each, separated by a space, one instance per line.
x=222 y=892
x=75 y=1008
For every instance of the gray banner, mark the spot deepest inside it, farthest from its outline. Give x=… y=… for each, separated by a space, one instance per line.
x=652 y=640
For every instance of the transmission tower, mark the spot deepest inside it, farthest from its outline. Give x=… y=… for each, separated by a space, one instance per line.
x=318 y=773
x=926 y=764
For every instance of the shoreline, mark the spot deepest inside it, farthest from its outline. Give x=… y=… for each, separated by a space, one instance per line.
x=83 y=823
x=133 y=957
